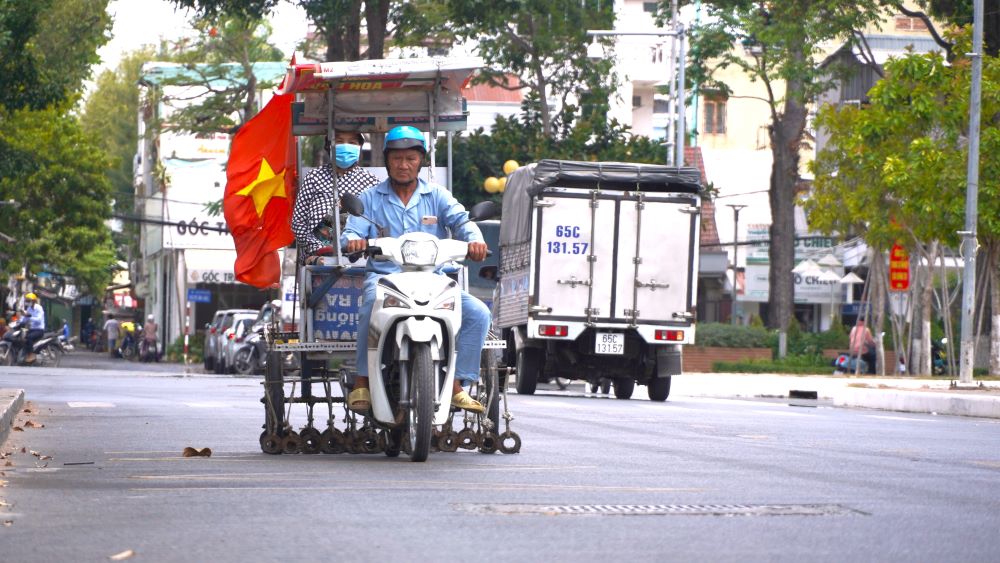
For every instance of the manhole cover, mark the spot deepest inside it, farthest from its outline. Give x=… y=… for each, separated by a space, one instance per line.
x=662 y=509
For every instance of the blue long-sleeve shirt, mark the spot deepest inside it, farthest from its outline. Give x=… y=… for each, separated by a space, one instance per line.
x=431 y=209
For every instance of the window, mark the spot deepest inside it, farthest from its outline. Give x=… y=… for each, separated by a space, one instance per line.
x=715 y=117
x=636 y=101
x=906 y=23
x=650 y=7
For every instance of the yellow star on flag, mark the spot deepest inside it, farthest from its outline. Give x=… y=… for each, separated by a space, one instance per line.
x=267 y=185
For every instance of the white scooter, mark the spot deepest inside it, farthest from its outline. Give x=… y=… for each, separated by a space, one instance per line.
x=411 y=336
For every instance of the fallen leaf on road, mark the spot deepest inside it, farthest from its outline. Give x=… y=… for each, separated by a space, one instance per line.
x=33 y=424
x=128 y=553
x=193 y=452
x=9 y=464
x=26 y=411
x=4 y=504
x=45 y=457
x=36 y=454
x=8 y=523
x=18 y=429
x=24 y=450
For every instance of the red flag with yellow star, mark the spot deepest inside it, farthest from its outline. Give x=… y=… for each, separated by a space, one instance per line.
x=260 y=190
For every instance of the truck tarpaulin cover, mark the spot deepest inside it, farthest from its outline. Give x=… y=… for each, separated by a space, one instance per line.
x=529 y=181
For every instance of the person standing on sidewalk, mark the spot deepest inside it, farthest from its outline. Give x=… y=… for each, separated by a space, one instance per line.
x=862 y=344
x=112 y=327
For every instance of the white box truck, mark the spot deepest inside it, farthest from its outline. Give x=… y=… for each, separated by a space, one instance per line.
x=598 y=273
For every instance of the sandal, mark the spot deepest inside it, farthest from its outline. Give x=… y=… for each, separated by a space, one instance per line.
x=464 y=401
x=359 y=400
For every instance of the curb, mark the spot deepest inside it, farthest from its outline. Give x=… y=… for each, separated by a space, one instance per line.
x=11 y=401
x=919 y=401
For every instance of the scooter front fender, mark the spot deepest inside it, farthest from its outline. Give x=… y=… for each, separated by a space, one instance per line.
x=418 y=330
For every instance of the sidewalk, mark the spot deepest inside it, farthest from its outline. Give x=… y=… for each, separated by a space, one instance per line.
x=903 y=394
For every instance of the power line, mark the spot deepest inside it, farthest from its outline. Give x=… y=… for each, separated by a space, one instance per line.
x=203 y=226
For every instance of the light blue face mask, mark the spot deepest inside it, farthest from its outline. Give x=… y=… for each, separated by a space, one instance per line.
x=347 y=155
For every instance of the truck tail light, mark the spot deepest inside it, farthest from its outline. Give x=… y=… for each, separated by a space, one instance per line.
x=553 y=330
x=670 y=335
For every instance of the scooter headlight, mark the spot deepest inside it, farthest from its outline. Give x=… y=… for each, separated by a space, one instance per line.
x=419 y=253
x=447 y=304
x=393 y=301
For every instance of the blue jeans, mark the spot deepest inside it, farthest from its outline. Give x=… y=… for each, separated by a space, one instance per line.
x=469 y=343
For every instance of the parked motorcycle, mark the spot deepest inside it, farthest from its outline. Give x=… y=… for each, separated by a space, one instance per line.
x=252 y=356
x=48 y=349
x=147 y=351
x=415 y=320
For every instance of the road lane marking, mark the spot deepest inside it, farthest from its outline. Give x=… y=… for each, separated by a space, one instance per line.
x=778 y=413
x=906 y=418
x=90 y=405
x=209 y=405
x=442 y=485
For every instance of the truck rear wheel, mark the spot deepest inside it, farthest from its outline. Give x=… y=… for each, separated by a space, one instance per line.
x=624 y=387
x=659 y=389
x=529 y=364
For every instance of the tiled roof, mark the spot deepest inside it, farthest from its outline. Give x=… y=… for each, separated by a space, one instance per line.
x=490 y=93
x=709 y=231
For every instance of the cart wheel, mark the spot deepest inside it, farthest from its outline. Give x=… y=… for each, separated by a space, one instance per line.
x=331 y=441
x=291 y=443
x=270 y=443
x=490 y=443
x=312 y=440
x=510 y=442
x=448 y=442
x=467 y=439
x=370 y=442
x=605 y=385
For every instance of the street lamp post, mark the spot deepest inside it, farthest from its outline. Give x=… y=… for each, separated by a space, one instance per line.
x=675 y=157
x=736 y=207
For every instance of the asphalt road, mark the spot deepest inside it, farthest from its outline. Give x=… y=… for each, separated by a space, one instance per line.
x=692 y=479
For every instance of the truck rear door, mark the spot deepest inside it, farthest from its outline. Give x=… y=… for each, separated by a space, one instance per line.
x=574 y=253
x=656 y=273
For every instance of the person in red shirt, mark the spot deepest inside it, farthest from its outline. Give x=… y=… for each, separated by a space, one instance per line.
x=862 y=344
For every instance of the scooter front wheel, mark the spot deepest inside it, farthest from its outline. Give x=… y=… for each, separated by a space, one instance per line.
x=421 y=411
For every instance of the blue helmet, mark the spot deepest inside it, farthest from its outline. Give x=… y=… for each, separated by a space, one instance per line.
x=404 y=137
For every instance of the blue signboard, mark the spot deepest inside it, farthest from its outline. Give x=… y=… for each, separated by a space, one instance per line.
x=336 y=315
x=200 y=295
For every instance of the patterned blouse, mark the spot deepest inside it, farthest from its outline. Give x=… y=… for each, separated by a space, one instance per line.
x=314 y=202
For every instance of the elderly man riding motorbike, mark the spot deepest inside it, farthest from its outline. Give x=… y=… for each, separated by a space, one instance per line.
x=404 y=203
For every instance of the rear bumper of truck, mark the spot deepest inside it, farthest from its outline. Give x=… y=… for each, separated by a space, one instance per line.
x=570 y=330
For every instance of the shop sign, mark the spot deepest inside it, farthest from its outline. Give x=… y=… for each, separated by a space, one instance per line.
x=899 y=269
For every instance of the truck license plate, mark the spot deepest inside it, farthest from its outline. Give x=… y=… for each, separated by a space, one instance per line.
x=609 y=343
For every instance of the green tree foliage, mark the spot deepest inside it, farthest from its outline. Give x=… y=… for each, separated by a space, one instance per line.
x=899 y=164
x=480 y=155
x=109 y=117
x=778 y=44
x=58 y=175
x=46 y=49
x=48 y=165
x=219 y=74
x=541 y=42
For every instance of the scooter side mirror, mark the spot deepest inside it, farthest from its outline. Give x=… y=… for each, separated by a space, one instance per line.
x=352 y=204
x=484 y=210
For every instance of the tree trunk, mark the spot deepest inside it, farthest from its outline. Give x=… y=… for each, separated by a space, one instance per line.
x=376 y=18
x=343 y=33
x=786 y=137
x=540 y=81
x=927 y=308
x=994 y=309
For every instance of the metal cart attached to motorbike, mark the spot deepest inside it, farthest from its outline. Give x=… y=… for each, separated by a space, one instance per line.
x=313 y=366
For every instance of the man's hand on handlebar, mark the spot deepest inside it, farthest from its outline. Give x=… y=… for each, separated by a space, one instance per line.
x=355 y=246
x=477 y=251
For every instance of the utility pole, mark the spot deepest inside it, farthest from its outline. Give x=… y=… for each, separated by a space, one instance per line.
x=969 y=244
x=736 y=207
x=675 y=137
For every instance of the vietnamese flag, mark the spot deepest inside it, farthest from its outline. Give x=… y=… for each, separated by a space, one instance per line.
x=260 y=189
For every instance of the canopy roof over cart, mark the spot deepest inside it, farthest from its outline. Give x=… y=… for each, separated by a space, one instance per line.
x=377 y=95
